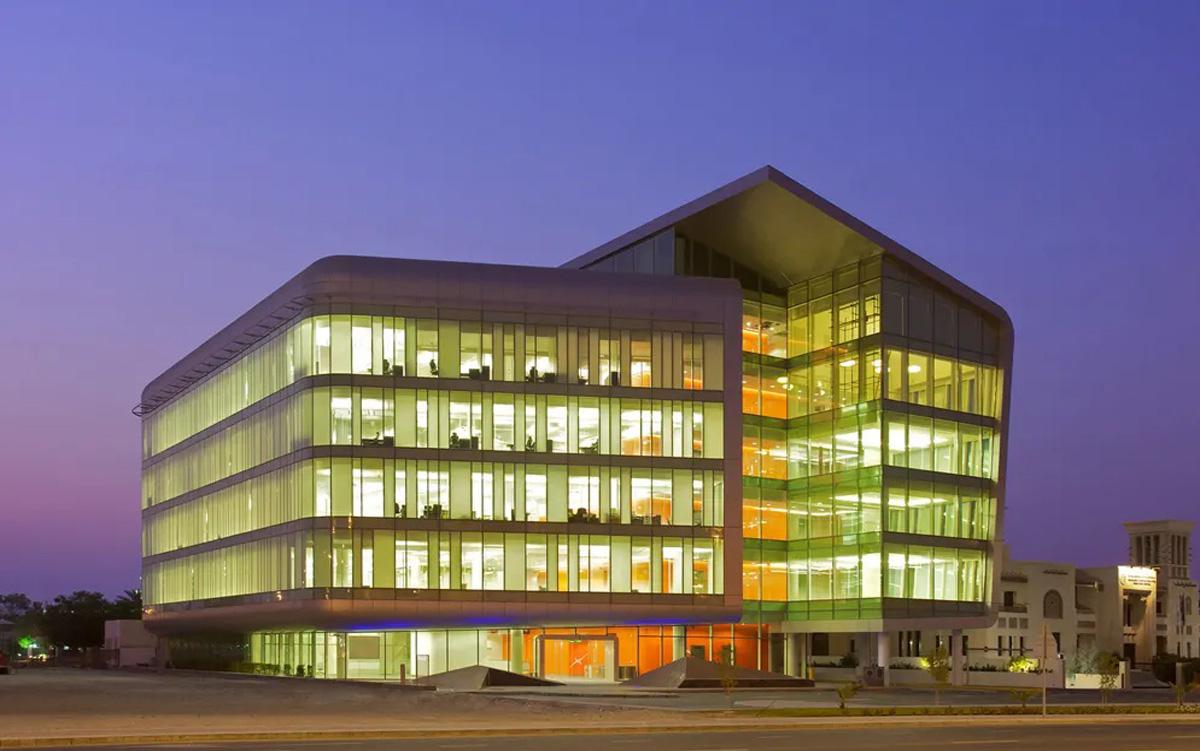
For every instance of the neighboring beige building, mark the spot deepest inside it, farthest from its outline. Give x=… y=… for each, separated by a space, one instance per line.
x=1104 y=609
x=1138 y=610
x=1165 y=546
x=1114 y=607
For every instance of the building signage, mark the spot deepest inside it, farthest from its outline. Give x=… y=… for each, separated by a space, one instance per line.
x=1137 y=577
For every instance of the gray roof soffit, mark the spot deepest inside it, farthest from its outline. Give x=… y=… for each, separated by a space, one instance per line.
x=769 y=205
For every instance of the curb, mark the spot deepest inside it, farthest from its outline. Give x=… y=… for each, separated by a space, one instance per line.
x=760 y=724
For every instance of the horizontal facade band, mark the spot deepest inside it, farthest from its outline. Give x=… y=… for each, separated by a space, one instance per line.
x=387 y=609
x=338 y=523
x=459 y=385
x=441 y=455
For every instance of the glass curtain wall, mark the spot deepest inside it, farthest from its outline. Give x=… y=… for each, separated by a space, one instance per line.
x=861 y=422
x=348 y=344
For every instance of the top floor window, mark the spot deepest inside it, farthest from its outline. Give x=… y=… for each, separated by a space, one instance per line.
x=440 y=348
x=427 y=348
x=541 y=354
x=640 y=360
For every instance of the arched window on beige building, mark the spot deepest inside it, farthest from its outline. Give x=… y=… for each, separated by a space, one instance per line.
x=1052 y=605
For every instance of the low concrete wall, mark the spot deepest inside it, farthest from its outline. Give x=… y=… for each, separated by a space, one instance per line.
x=917 y=677
x=835 y=675
x=910 y=677
x=1092 y=680
x=1013 y=680
x=980 y=678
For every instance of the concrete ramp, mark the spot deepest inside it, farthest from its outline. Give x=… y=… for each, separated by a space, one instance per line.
x=479 y=676
x=693 y=672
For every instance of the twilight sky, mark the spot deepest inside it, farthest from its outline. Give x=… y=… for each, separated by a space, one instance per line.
x=165 y=165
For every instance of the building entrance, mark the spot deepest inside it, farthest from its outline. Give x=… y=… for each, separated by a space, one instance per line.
x=577 y=658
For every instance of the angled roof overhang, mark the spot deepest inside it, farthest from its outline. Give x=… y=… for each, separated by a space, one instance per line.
x=784 y=232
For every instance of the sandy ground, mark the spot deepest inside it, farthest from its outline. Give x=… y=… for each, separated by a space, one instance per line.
x=67 y=702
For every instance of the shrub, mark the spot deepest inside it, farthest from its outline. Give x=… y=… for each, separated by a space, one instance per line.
x=728 y=680
x=1083 y=661
x=849 y=660
x=938 y=665
x=1022 y=665
x=1182 y=690
x=1108 y=665
x=1022 y=695
x=846 y=692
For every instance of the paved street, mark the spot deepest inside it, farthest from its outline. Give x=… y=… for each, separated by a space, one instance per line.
x=1028 y=734
x=822 y=696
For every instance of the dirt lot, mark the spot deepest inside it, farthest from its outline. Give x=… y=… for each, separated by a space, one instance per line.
x=63 y=701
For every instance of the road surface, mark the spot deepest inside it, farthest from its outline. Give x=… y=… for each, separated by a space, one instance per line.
x=1025 y=734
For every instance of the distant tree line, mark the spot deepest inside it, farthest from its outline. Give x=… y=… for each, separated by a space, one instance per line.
x=74 y=621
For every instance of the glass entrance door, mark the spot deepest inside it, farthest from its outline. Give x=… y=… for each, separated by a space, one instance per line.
x=578 y=659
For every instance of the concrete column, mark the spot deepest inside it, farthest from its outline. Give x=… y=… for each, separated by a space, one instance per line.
x=516 y=650
x=794 y=663
x=958 y=673
x=865 y=651
x=883 y=655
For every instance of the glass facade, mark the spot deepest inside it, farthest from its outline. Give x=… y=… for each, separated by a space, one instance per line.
x=871 y=405
x=436 y=559
x=395 y=421
x=497 y=465
x=382 y=457
x=453 y=350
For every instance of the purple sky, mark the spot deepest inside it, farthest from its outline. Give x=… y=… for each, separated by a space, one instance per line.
x=164 y=165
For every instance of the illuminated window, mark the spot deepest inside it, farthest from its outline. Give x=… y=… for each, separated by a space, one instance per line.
x=536 y=572
x=751 y=327
x=594 y=565
x=360 y=345
x=774 y=340
x=821 y=314
x=798 y=341
x=639 y=352
x=847 y=316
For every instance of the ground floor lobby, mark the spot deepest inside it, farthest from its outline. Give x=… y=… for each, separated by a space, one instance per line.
x=595 y=654
x=583 y=654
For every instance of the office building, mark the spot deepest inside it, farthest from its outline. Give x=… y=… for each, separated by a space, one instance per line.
x=747 y=430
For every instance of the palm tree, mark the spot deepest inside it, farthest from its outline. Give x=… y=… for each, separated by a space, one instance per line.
x=128 y=605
